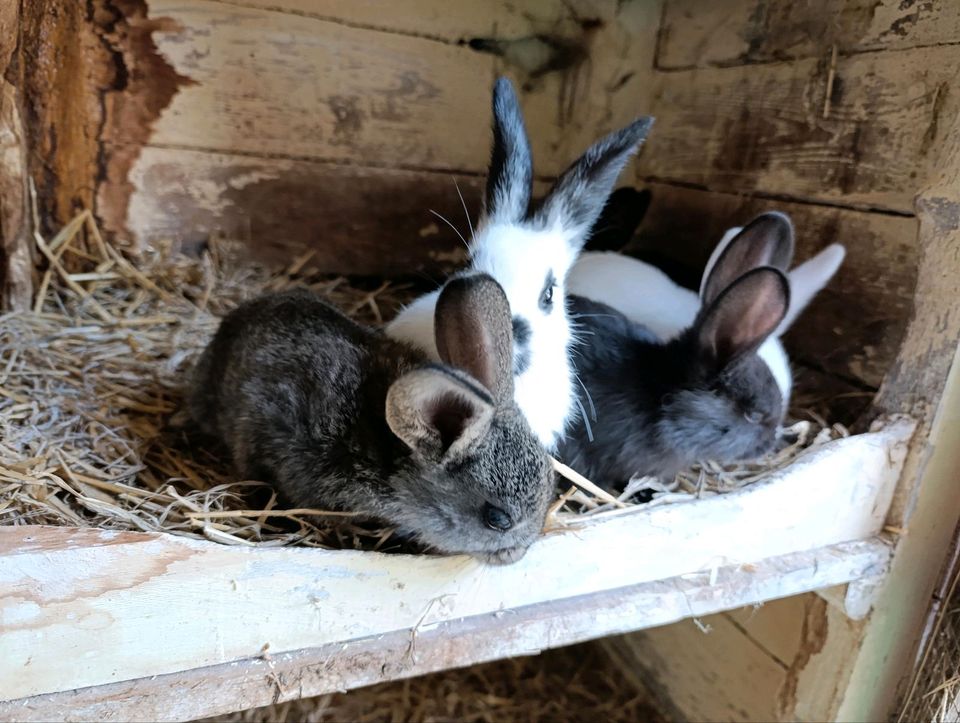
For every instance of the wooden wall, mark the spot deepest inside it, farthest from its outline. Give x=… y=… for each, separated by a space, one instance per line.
x=293 y=123
x=846 y=116
x=339 y=124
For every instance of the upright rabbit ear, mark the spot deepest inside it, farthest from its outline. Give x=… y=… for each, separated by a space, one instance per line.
x=743 y=316
x=808 y=278
x=474 y=331
x=765 y=241
x=437 y=414
x=577 y=198
x=510 y=180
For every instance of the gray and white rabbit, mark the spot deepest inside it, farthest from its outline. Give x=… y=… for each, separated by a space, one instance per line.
x=337 y=415
x=646 y=294
x=658 y=407
x=529 y=248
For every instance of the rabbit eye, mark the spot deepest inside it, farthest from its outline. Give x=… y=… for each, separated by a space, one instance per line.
x=546 y=294
x=496 y=519
x=753 y=417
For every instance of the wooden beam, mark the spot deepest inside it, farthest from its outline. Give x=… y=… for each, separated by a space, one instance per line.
x=112 y=599
x=700 y=33
x=357 y=220
x=430 y=647
x=769 y=128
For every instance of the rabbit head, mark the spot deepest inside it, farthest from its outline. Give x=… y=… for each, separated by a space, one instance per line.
x=728 y=405
x=479 y=481
x=529 y=248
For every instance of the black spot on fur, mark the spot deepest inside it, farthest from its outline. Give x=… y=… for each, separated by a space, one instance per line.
x=521 y=345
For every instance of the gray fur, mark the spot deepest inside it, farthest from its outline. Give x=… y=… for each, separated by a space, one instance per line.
x=301 y=395
x=510 y=180
x=660 y=407
x=579 y=195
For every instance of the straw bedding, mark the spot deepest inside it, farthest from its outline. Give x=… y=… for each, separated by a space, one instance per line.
x=90 y=377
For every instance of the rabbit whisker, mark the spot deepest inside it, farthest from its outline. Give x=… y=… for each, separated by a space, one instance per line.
x=593 y=409
x=447 y=221
x=464 y=204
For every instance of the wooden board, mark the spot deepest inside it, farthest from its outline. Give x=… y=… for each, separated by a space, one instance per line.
x=768 y=128
x=701 y=32
x=854 y=328
x=97 y=591
x=281 y=83
x=275 y=677
x=766 y=663
x=363 y=221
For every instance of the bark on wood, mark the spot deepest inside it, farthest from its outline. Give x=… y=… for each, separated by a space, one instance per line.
x=765 y=128
x=16 y=267
x=701 y=32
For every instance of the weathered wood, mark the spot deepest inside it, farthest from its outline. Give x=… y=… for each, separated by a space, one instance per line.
x=767 y=128
x=925 y=378
x=96 y=591
x=61 y=68
x=358 y=220
x=852 y=329
x=701 y=32
x=436 y=20
x=15 y=262
x=283 y=676
x=287 y=82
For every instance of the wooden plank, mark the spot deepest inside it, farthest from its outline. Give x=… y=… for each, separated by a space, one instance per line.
x=768 y=128
x=363 y=221
x=259 y=681
x=285 y=82
x=434 y=18
x=700 y=32
x=15 y=260
x=853 y=328
x=97 y=591
x=273 y=83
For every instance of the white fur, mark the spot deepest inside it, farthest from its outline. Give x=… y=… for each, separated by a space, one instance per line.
x=519 y=257
x=645 y=294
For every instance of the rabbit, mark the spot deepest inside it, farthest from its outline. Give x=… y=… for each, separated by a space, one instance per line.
x=622 y=214
x=337 y=415
x=658 y=407
x=648 y=296
x=529 y=248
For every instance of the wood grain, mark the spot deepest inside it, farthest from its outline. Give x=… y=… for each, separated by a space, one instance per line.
x=275 y=677
x=766 y=128
x=16 y=264
x=283 y=82
x=700 y=32
x=360 y=221
x=97 y=602
x=852 y=329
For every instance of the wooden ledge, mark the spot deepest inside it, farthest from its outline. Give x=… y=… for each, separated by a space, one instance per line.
x=88 y=607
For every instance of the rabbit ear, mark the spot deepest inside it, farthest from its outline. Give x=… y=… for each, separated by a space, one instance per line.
x=474 y=331
x=577 y=198
x=438 y=415
x=743 y=316
x=765 y=241
x=808 y=278
x=510 y=180
x=619 y=220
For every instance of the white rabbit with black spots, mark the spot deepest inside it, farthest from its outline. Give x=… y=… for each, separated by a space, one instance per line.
x=529 y=249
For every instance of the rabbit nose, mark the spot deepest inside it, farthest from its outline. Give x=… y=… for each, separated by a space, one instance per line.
x=496 y=519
